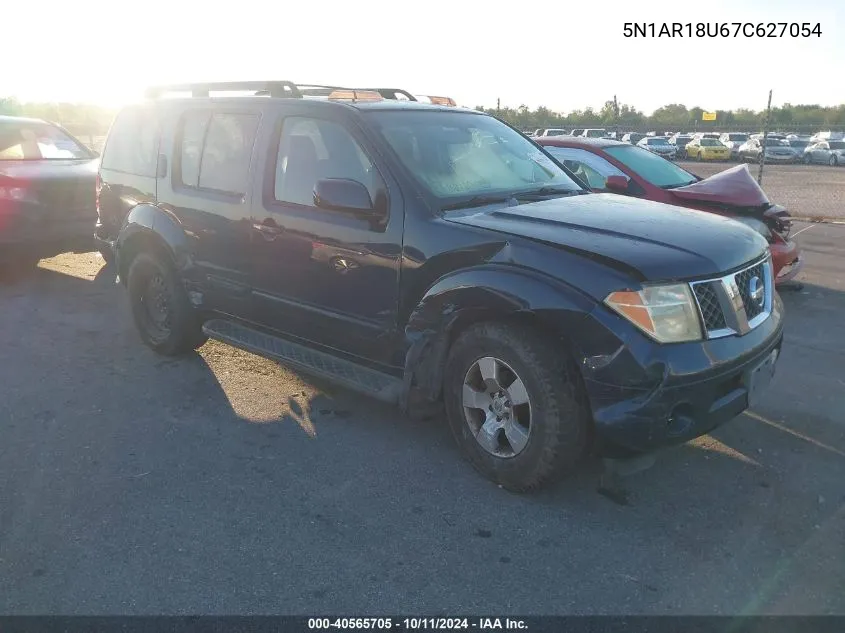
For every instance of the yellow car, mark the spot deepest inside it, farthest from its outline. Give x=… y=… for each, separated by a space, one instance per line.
x=707 y=149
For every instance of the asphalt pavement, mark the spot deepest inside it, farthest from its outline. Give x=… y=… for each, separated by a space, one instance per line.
x=224 y=484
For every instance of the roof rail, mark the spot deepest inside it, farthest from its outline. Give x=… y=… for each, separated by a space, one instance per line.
x=317 y=90
x=272 y=88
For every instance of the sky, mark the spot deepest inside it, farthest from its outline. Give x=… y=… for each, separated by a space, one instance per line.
x=565 y=55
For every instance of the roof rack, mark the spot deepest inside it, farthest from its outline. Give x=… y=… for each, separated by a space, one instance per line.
x=271 y=88
x=316 y=90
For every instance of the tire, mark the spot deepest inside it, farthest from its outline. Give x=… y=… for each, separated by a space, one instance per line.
x=698 y=157
x=833 y=162
x=557 y=425
x=807 y=160
x=108 y=256
x=175 y=328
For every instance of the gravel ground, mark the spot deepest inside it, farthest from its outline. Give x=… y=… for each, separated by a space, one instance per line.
x=224 y=484
x=808 y=191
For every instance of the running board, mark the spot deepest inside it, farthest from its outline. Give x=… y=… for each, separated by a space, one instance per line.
x=338 y=370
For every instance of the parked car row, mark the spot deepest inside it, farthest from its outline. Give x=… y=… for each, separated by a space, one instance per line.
x=544 y=294
x=822 y=147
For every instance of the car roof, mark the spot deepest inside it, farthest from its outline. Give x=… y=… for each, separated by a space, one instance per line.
x=578 y=141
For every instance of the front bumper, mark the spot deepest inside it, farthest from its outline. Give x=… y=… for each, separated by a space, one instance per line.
x=790 y=158
x=645 y=396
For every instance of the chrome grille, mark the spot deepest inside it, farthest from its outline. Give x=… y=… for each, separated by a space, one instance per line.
x=743 y=281
x=738 y=302
x=711 y=311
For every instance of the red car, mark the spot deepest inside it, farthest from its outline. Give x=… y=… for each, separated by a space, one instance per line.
x=611 y=166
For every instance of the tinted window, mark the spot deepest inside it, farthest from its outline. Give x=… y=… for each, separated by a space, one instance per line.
x=656 y=170
x=461 y=154
x=227 y=151
x=194 y=125
x=215 y=150
x=311 y=149
x=132 y=146
x=776 y=142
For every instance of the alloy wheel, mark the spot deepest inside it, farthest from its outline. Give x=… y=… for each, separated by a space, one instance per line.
x=497 y=407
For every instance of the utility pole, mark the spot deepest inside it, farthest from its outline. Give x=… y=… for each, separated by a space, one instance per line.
x=765 y=136
x=616 y=118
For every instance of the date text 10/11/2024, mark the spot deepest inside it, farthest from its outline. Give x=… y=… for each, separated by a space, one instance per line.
x=418 y=624
x=721 y=29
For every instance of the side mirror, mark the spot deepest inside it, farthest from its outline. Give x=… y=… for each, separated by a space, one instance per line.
x=343 y=194
x=617 y=183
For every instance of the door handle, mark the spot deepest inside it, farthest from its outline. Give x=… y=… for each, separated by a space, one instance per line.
x=270 y=230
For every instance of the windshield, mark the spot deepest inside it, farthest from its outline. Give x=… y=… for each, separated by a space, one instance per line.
x=26 y=140
x=652 y=168
x=595 y=133
x=836 y=144
x=657 y=141
x=455 y=154
x=709 y=142
x=738 y=137
x=798 y=143
x=776 y=142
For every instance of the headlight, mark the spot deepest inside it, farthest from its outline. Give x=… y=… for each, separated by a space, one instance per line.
x=757 y=225
x=666 y=313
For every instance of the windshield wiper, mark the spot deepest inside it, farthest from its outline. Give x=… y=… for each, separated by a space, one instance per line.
x=549 y=191
x=477 y=201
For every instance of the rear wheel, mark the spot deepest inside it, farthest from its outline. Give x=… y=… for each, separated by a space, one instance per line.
x=160 y=307
x=515 y=405
x=833 y=161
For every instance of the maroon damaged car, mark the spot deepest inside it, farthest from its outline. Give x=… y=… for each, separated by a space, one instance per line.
x=610 y=166
x=47 y=192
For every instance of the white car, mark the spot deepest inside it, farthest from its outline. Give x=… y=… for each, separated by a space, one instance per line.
x=733 y=141
x=595 y=133
x=552 y=131
x=659 y=145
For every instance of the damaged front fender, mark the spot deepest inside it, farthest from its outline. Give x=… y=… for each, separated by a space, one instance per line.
x=491 y=292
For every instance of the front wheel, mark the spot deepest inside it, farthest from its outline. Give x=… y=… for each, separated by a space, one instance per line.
x=160 y=307
x=833 y=161
x=807 y=159
x=515 y=405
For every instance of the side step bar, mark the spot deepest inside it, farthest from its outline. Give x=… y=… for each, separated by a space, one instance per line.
x=338 y=370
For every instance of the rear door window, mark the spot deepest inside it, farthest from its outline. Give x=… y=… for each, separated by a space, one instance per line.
x=215 y=150
x=132 y=145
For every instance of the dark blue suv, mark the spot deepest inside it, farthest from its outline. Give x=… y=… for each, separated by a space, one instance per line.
x=425 y=255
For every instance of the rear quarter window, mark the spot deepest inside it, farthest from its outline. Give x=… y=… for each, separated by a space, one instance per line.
x=132 y=145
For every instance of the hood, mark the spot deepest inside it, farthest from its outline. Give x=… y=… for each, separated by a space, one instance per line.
x=658 y=241
x=735 y=186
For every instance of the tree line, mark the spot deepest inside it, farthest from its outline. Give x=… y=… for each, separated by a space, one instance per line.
x=673 y=116
x=88 y=119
